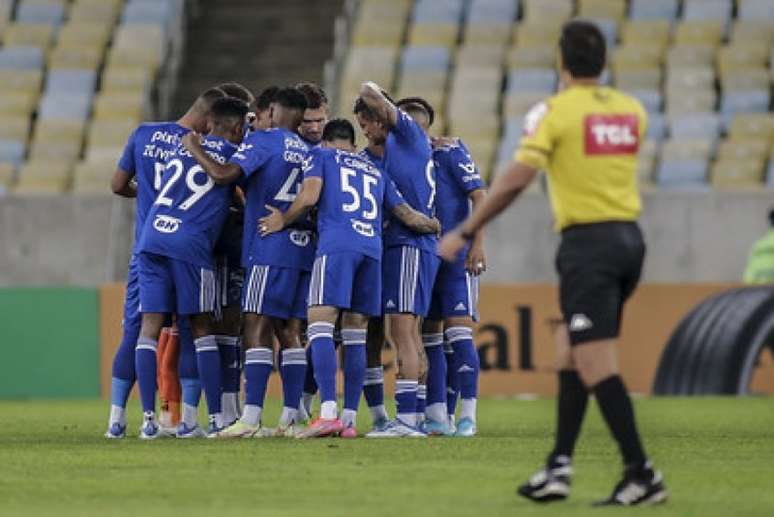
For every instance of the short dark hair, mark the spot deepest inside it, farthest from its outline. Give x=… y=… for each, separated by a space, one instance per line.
x=362 y=108
x=583 y=49
x=266 y=97
x=412 y=104
x=339 y=129
x=238 y=91
x=207 y=98
x=291 y=98
x=229 y=108
x=315 y=96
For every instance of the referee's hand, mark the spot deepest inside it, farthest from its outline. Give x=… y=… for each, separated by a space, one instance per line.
x=475 y=261
x=450 y=245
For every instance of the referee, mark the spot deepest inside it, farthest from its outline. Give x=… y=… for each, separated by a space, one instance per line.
x=586 y=138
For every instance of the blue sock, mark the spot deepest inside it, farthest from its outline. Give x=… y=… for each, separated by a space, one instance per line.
x=208 y=364
x=145 y=366
x=320 y=335
x=354 y=366
x=373 y=386
x=258 y=365
x=406 y=400
x=228 y=347
x=292 y=371
x=124 y=374
x=461 y=338
x=436 y=377
x=310 y=385
x=187 y=361
x=452 y=379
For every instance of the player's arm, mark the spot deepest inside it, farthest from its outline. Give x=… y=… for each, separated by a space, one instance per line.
x=122 y=185
x=220 y=173
x=277 y=221
x=416 y=221
x=475 y=261
x=385 y=110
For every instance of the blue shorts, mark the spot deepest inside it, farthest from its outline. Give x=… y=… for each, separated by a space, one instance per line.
x=169 y=285
x=280 y=292
x=408 y=275
x=132 y=317
x=455 y=293
x=348 y=280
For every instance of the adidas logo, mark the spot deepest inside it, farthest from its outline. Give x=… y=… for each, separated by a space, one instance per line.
x=464 y=368
x=580 y=322
x=460 y=307
x=389 y=305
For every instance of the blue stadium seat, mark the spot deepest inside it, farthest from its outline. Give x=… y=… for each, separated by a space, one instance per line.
x=12 y=151
x=70 y=80
x=695 y=125
x=40 y=11
x=656 y=127
x=682 y=173
x=438 y=11
x=609 y=28
x=149 y=12
x=21 y=58
x=770 y=174
x=514 y=128
x=653 y=9
x=756 y=10
x=532 y=80
x=733 y=102
x=65 y=106
x=493 y=11
x=425 y=59
x=704 y=10
x=650 y=99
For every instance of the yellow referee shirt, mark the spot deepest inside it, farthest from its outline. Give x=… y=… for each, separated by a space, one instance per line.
x=586 y=138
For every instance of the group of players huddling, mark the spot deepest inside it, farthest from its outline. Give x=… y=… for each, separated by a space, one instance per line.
x=267 y=206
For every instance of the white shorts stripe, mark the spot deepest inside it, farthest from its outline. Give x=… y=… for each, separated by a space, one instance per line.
x=262 y=289
x=206 y=290
x=409 y=276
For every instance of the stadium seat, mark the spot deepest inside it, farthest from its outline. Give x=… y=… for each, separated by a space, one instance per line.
x=734 y=57
x=15 y=127
x=755 y=10
x=745 y=79
x=650 y=32
x=740 y=173
x=12 y=151
x=380 y=23
x=434 y=34
x=752 y=32
x=532 y=80
x=646 y=162
x=71 y=81
x=684 y=162
x=18 y=102
x=695 y=126
x=6 y=177
x=21 y=58
x=629 y=57
x=83 y=57
x=690 y=101
x=734 y=102
x=701 y=10
x=119 y=106
x=653 y=9
x=29 y=35
x=424 y=59
x=517 y=104
x=698 y=33
x=689 y=76
x=540 y=10
x=610 y=9
x=54 y=130
x=437 y=11
x=65 y=151
x=125 y=79
x=531 y=57
x=743 y=150
x=536 y=34
x=43 y=177
x=49 y=12
x=609 y=30
x=639 y=79
x=487 y=12
x=480 y=55
x=513 y=130
x=488 y=34
x=98 y=11
x=65 y=106
x=656 y=127
x=690 y=56
x=147 y=11
x=652 y=100
x=93 y=177
x=103 y=154
x=752 y=126
x=84 y=34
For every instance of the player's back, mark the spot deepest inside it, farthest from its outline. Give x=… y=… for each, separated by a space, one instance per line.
x=456 y=176
x=147 y=150
x=351 y=206
x=272 y=161
x=408 y=161
x=188 y=213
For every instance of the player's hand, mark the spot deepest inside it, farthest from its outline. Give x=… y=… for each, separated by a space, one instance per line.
x=191 y=140
x=436 y=226
x=271 y=223
x=443 y=141
x=450 y=246
x=475 y=262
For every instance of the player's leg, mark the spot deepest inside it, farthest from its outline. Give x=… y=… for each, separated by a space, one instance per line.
x=373 y=385
x=310 y=385
x=124 y=375
x=169 y=385
x=189 y=380
x=353 y=332
x=436 y=415
x=228 y=330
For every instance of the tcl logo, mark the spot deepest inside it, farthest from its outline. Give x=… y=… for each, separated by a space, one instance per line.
x=611 y=134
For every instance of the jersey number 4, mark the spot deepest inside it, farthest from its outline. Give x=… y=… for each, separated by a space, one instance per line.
x=347 y=188
x=197 y=190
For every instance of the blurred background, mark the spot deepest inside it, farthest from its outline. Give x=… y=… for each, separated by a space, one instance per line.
x=76 y=76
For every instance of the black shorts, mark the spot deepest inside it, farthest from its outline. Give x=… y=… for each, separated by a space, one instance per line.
x=599 y=266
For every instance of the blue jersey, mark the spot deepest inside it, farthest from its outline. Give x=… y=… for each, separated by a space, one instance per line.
x=408 y=160
x=143 y=158
x=456 y=177
x=271 y=161
x=187 y=217
x=352 y=202
x=377 y=160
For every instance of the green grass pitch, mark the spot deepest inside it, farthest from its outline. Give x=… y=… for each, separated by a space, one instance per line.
x=717 y=456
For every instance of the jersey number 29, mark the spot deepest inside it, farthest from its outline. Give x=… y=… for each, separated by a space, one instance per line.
x=197 y=190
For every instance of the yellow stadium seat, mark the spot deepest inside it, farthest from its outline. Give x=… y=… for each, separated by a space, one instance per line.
x=41 y=176
x=531 y=57
x=639 y=79
x=145 y=57
x=735 y=57
x=537 y=34
x=18 y=102
x=433 y=34
x=374 y=33
x=15 y=127
x=485 y=128
x=688 y=76
x=6 y=176
x=21 y=80
x=480 y=55
x=390 y=11
x=119 y=106
x=630 y=57
x=650 y=32
x=691 y=55
x=539 y=10
x=738 y=173
x=690 y=101
x=95 y=11
x=77 y=34
x=85 y=57
x=482 y=152
x=93 y=177
x=55 y=150
x=610 y=9
x=752 y=126
x=58 y=130
x=125 y=78
x=29 y=34
x=109 y=133
x=755 y=32
x=422 y=80
x=488 y=34
x=698 y=33
x=517 y=104
x=103 y=154
x=686 y=149
x=745 y=79
x=743 y=150
x=435 y=96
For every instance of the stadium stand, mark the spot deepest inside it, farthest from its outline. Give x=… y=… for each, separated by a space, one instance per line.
x=75 y=77
x=702 y=68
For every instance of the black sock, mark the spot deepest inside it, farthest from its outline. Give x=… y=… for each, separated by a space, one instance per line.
x=571 y=407
x=616 y=407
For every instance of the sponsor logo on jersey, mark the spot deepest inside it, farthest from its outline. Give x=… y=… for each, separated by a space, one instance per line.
x=300 y=238
x=364 y=229
x=611 y=134
x=580 y=322
x=166 y=224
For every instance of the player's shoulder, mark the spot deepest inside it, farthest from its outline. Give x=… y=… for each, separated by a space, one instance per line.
x=160 y=132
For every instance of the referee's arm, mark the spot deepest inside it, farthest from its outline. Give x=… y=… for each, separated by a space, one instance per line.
x=507 y=186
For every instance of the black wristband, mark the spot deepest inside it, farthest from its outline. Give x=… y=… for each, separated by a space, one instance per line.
x=467 y=235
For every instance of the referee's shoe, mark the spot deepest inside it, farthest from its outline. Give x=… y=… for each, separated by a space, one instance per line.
x=551 y=483
x=640 y=486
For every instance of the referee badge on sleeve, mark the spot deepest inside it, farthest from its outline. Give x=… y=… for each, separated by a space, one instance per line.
x=534 y=117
